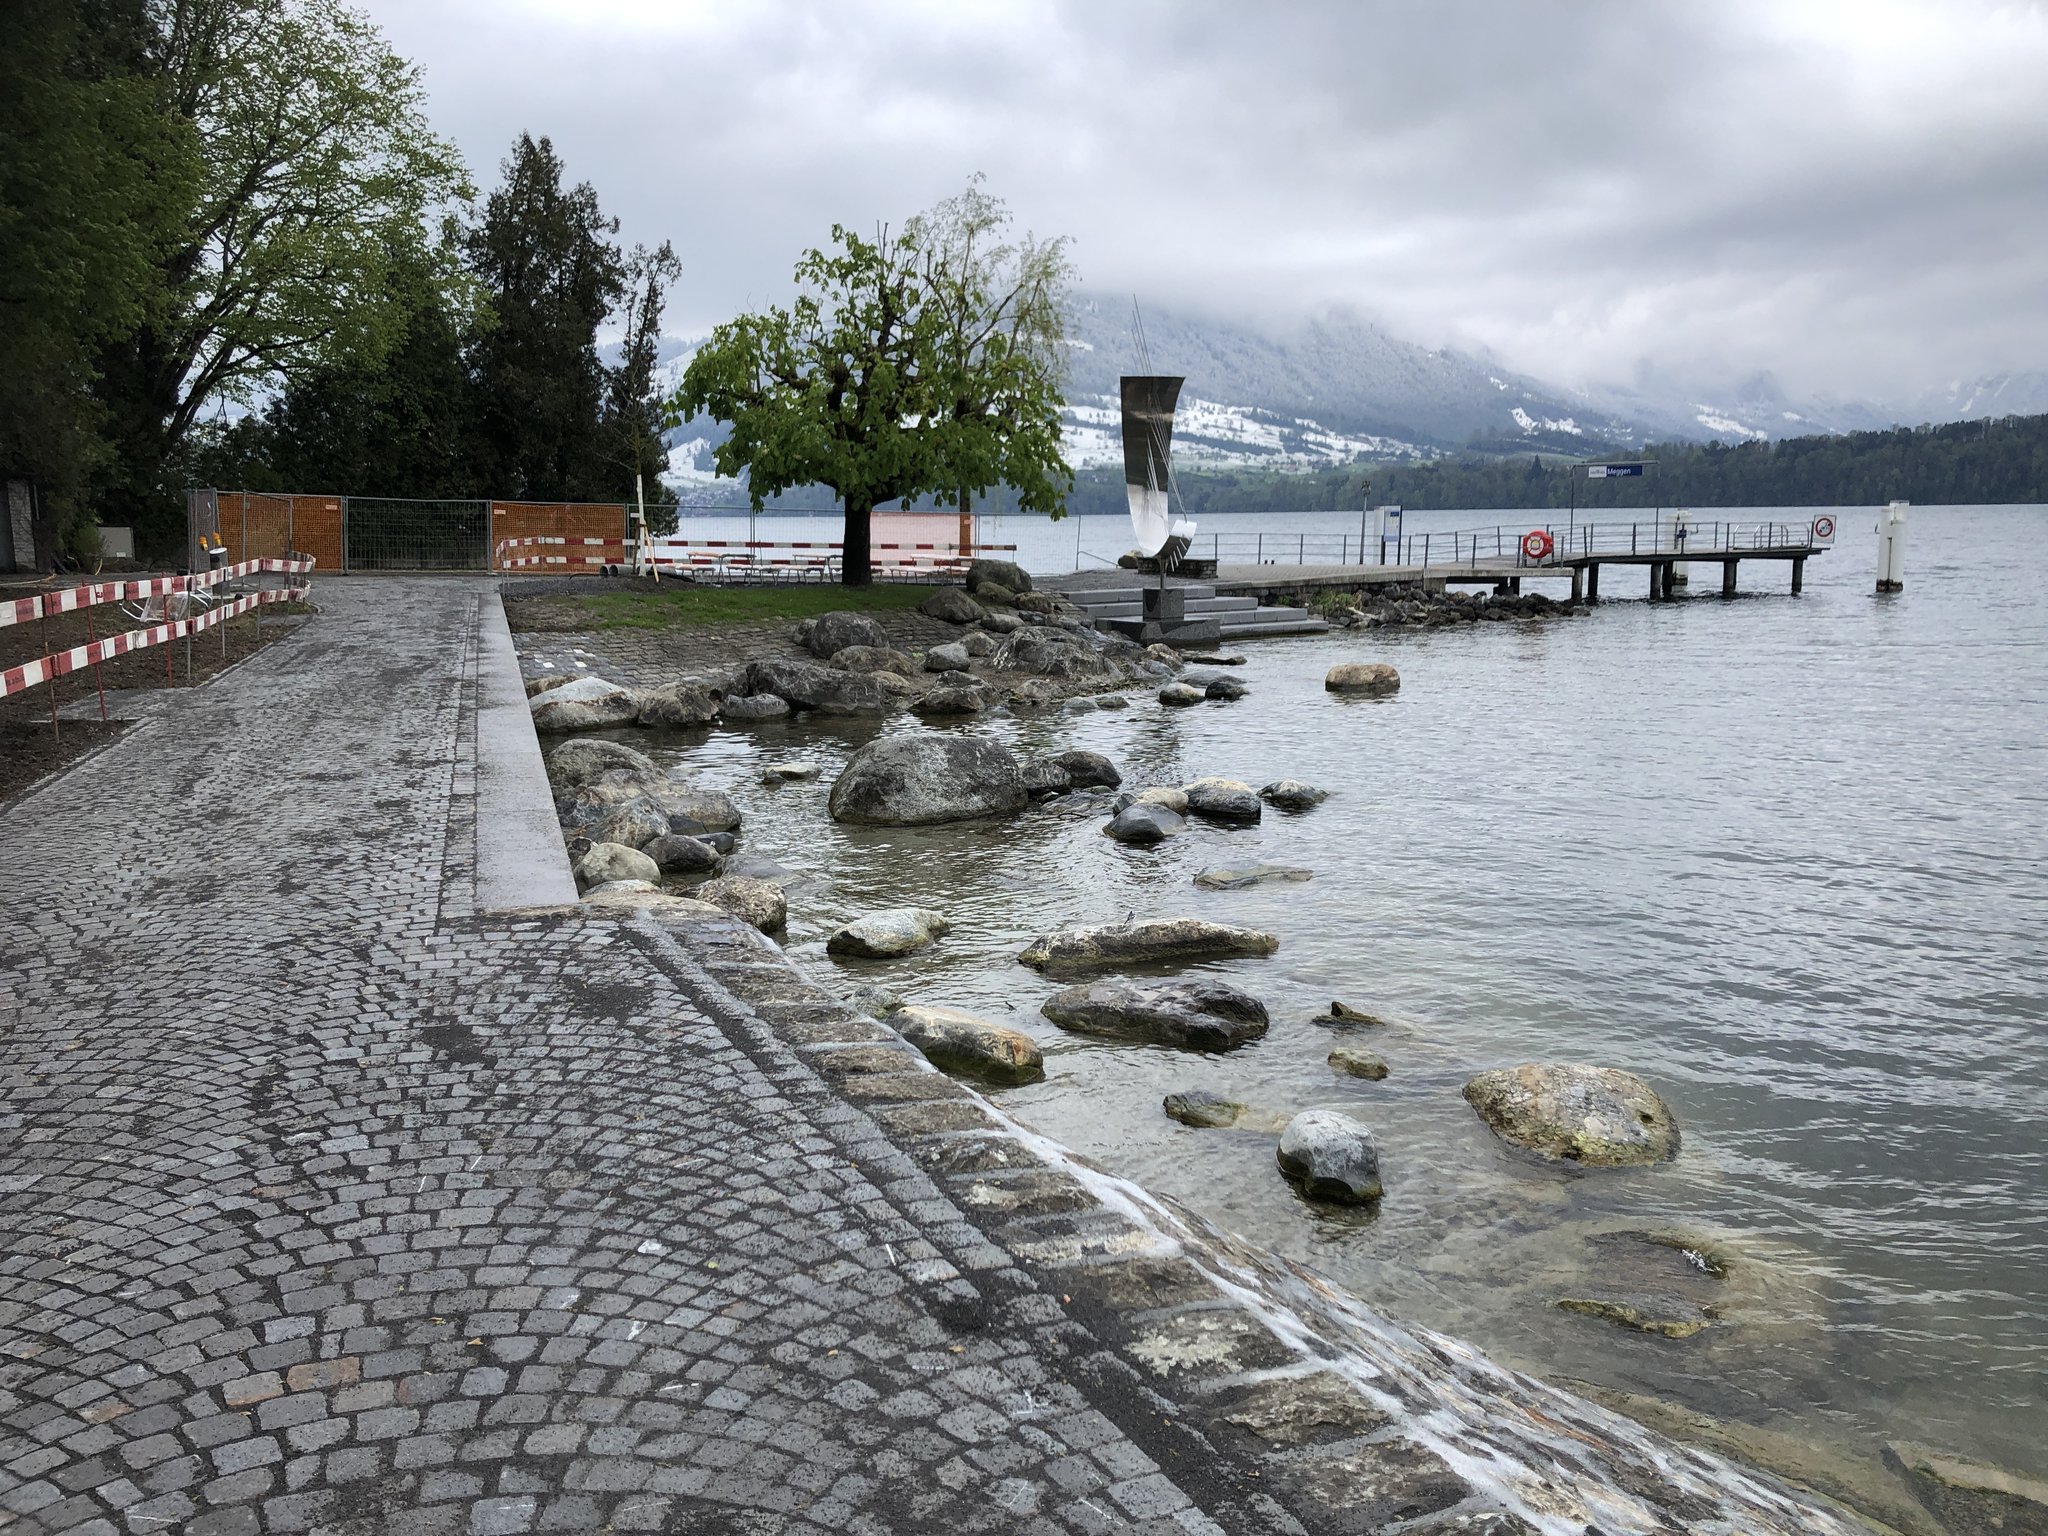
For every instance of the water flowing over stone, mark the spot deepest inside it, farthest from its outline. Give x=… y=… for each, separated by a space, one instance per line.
x=922 y=777
x=1201 y=1014
x=1595 y=1115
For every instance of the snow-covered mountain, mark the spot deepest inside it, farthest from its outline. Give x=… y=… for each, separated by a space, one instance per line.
x=1998 y=394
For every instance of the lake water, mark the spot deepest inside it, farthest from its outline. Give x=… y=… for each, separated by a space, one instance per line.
x=1785 y=858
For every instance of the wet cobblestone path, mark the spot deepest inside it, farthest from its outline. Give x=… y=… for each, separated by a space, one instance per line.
x=331 y=1205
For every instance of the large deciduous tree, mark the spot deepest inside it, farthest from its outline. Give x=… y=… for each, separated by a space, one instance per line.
x=318 y=173
x=912 y=364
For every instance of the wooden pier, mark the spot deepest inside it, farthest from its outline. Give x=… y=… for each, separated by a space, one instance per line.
x=1503 y=558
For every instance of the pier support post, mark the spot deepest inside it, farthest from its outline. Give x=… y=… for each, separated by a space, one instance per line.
x=1656 y=582
x=1593 y=582
x=1671 y=578
x=1578 y=582
x=1728 y=577
x=1798 y=574
x=1515 y=585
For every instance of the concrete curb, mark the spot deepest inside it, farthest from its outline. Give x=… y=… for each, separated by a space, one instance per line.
x=519 y=857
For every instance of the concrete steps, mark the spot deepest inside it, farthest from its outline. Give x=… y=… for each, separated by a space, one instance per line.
x=1237 y=618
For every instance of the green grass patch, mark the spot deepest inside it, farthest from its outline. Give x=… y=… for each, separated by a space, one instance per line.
x=681 y=606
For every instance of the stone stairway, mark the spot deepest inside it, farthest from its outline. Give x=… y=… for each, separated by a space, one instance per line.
x=1238 y=618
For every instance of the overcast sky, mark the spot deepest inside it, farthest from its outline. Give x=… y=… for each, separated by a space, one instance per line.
x=1852 y=194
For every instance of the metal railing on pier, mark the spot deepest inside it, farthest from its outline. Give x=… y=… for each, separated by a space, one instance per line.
x=1560 y=544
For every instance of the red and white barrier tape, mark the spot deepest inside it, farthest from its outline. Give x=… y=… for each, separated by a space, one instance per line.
x=23 y=610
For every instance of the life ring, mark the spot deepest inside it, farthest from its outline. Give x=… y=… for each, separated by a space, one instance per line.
x=1537 y=544
x=1823 y=527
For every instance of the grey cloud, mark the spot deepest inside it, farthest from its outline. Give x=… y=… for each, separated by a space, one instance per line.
x=1851 y=197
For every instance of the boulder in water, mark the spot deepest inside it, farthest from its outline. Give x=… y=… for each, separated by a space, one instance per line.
x=807 y=685
x=675 y=853
x=956 y=694
x=1201 y=1108
x=1352 y=1062
x=1255 y=874
x=679 y=703
x=1143 y=824
x=693 y=809
x=889 y=933
x=922 y=777
x=588 y=704
x=1044 y=776
x=1293 y=795
x=1145 y=940
x=1224 y=689
x=1223 y=800
x=1089 y=770
x=1180 y=695
x=956 y=1041
x=1168 y=795
x=830 y=633
x=1367 y=677
x=576 y=762
x=1599 y=1116
x=1201 y=1014
x=759 y=706
x=788 y=772
x=634 y=823
x=1332 y=1157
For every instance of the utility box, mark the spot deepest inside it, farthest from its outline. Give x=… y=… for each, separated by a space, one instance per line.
x=117 y=543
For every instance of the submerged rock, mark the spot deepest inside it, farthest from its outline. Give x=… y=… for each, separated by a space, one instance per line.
x=1346 y=1014
x=1111 y=701
x=886 y=934
x=923 y=777
x=1143 y=940
x=785 y=773
x=1599 y=1116
x=1331 y=1156
x=1292 y=795
x=614 y=861
x=1201 y=1108
x=588 y=704
x=1971 y=1498
x=1143 y=825
x=1672 y=1317
x=759 y=902
x=1200 y=1014
x=1370 y=677
x=875 y=1002
x=954 y=1040
x=574 y=763
x=1353 y=1062
x=1256 y=874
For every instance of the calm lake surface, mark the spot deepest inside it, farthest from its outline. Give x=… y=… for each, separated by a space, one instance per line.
x=1785 y=858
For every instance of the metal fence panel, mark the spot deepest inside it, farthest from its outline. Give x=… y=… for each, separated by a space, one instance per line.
x=390 y=534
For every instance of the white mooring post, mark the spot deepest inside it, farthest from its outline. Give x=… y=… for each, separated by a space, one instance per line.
x=1891 y=548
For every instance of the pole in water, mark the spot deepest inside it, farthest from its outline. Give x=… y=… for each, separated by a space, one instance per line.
x=1891 y=548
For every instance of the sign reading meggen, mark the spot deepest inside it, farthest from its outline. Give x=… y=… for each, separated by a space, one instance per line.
x=1609 y=471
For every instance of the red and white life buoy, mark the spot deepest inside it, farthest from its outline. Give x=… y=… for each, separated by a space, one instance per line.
x=1537 y=545
x=1823 y=527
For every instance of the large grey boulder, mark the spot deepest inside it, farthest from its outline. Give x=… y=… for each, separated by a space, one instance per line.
x=808 y=685
x=1048 y=653
x=922 y=777
x=1201 y=1014
x=1180 y=695
x=677 y=854
x=1004 y=573
x=574 y=762
x=1045 y=776
x=759 y=902
x=956 y=694
x=952 y=606
x=1203 y=1108
x=1367 y=677
x=679 y=703
x=1224 y=689
x=635 y=823
x=606 y=862
x=588 y=704
x=947 y=658
x=1332 y=1157
x=1146 y=940
x=885 y=935
x=873 y=658
x=1223 y=800
x=694 y=810
x=1143 y=824
x=1172 y=796
x=1089 y=770
x=1293 y=795
x=957 y=1041
x=978 y=643
x=749 y=707
x=830 y=633
x=1600 y=1116
x=1002 y=624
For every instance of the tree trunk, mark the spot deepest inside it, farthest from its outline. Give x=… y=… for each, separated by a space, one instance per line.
x=855 y=568
x=966 y=539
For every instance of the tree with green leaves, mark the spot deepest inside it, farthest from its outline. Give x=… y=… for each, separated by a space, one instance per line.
x=1001 y=356
x=892 y=375
x=93 y=180
x=317 y=173
x=635 y=414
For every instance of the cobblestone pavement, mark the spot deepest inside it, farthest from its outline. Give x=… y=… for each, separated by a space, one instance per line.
x=333 y=1204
